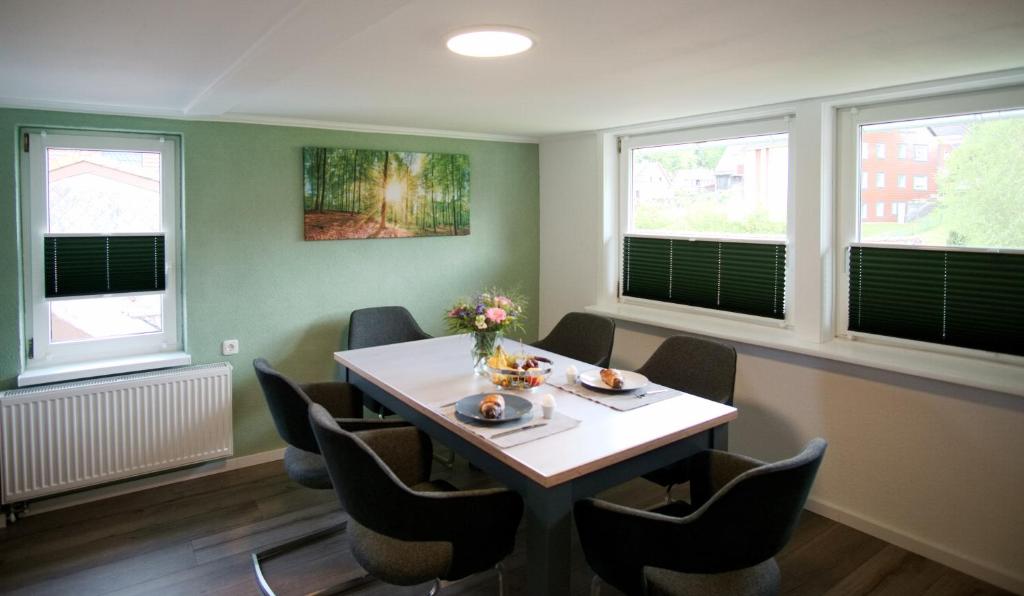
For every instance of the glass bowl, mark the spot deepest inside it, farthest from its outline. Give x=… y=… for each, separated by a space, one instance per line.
x=513 y=378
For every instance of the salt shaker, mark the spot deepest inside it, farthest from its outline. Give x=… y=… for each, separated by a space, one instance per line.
x=570 y=374
x=547 y=405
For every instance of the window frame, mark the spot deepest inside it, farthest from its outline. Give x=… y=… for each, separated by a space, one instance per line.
x=84 y=358
x=771 y=125
x=847 y=192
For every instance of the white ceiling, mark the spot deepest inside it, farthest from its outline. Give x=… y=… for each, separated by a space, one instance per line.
x=597 y=63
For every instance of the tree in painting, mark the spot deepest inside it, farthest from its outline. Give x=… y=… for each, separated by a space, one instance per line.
x=359 y=193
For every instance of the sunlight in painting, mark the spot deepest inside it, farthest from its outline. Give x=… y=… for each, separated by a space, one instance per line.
x=393 y=193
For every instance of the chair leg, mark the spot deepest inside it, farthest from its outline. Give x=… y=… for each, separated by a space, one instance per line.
x=500 y=568
x=435 y=588
x=595 y=586
x=668 y=494
x=259 y=557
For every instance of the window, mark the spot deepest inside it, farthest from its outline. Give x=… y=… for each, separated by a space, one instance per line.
x=880 y=150
x=901 y=151
x=712 y=231
x=101 y=214
x=880 y=180
x=901 y=181
x=948 y=270
x=864 y=151
x=863 y=179
x=880 y=209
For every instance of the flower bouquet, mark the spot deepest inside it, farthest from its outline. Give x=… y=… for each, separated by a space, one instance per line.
x=487 y=317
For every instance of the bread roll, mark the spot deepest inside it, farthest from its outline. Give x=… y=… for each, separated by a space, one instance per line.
x=611 y=377
x=492 y=406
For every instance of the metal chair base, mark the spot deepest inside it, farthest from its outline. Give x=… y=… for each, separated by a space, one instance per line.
x=259 y=557
x=437 y=584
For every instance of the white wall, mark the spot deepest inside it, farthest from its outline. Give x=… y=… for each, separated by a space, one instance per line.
x=570 y=240
x=930 y=466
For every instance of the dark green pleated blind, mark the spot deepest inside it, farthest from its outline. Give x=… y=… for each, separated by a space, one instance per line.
x=741 y=277
x=92 y=265
x=953 y=297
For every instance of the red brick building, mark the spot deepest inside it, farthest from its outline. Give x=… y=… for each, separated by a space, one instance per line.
x=899 y=169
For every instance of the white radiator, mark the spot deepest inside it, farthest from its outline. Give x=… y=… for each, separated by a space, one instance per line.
x=72 y=435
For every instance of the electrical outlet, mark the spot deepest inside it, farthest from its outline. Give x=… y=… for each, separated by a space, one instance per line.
x=229 y=347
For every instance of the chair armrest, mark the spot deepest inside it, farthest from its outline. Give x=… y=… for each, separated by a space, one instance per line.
x=354 y=425
x=339 y=398
x=619 y=541
x=710 y=470
x=481 y=525
x=406 y=451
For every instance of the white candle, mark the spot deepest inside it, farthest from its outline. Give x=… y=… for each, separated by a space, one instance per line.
x=570 y=374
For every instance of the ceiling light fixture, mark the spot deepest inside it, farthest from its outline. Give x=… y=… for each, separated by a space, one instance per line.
x=491 y=41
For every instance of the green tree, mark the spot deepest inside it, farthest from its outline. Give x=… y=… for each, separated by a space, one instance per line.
x=981 y=194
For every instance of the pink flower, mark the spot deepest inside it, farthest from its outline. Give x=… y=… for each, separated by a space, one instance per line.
x=502 y=301
x=495 y=314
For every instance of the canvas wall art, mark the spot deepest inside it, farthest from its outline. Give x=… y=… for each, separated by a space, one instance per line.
x=363 y=193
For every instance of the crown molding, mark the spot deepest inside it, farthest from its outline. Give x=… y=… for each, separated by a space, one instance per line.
x=174 y=114
x=375 y=128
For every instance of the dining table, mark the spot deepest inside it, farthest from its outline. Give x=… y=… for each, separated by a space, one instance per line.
x=600 y=447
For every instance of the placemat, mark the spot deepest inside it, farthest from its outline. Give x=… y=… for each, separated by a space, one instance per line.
x=544 y=428
x=622 y=402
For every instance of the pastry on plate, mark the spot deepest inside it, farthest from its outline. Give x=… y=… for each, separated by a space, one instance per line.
x=611 y=377
x=492 y=406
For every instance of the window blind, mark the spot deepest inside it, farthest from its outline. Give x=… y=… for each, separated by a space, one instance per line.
x=741 y=277
x=954 y=297
x=93 y=265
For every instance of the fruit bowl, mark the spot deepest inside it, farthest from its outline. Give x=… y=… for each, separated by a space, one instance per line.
x=534 y=371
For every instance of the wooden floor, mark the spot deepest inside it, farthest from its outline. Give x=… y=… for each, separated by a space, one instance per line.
x=196 y=537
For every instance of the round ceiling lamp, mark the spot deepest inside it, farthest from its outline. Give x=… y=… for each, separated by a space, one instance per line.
x=491 y=41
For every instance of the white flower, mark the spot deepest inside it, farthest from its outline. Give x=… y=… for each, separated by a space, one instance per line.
x=481 y=322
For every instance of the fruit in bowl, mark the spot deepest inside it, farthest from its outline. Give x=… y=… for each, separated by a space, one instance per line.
x=517 y=371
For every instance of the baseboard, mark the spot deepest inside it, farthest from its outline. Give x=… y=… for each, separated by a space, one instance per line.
x=159 y=479
x=1008 y=580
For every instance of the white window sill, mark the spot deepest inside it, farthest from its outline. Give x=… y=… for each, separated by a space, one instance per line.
x=99 y=368
x=1004 y=377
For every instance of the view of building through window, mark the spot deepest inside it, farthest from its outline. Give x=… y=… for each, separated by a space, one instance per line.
x=966 y=181
x=727 y=188
x=103 y=192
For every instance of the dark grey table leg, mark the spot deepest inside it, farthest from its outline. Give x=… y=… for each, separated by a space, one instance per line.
x=548 y=540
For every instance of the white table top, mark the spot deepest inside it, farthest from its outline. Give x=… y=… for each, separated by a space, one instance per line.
x=430 y=373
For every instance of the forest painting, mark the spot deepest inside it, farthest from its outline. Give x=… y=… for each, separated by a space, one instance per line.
x=362 y=193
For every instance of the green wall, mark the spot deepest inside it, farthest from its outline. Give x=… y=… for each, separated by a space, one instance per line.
x=248 y=273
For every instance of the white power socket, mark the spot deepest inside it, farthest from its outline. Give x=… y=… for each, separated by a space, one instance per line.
x=229 y=347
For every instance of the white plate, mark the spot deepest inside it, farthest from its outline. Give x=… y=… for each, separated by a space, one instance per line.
x=630 y=380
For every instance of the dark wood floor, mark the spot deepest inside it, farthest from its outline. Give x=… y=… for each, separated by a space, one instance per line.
x=195 y=537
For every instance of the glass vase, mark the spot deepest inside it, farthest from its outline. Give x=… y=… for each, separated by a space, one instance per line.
x=484 y=343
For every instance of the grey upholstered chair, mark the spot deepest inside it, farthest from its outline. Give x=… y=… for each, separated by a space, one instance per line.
x=582 y=336
x=405 y=529
x=742 y=513
x=699 y=366
x=289 y=406
x=378 y=326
